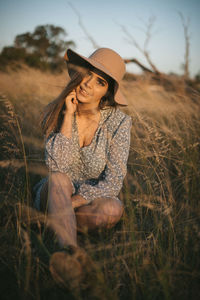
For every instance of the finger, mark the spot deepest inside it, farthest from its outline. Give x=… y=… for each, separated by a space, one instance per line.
x=73 y=92
x=70 y=97
x=76 y=101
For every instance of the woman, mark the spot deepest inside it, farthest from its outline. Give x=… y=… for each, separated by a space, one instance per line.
x=87 y=147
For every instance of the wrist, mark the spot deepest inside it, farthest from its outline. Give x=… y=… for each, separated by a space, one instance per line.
x=66 y=127
x=67 y=113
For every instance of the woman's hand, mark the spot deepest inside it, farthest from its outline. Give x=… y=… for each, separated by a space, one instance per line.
x=78 y=200
x=71 y=103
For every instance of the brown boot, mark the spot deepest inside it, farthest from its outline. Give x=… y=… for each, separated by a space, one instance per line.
x=70 y=268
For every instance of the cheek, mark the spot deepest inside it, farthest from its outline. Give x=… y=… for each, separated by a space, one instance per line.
x=103 y=91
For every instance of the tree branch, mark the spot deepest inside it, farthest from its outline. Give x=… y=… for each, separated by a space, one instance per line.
x=187 y=44
x=134 y=60
x=143 y=50
x=94 y=44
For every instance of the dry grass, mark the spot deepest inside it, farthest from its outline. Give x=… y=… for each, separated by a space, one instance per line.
x=153 y=253
x=31 y=83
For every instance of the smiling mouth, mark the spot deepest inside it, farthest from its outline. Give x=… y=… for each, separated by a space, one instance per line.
x=83 y=92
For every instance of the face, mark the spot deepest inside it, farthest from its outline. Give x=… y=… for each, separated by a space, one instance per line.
x=92 y=88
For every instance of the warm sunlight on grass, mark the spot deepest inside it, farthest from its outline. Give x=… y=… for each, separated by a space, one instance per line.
x=153 y=253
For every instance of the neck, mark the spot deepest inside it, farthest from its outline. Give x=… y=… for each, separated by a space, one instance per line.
x=83 y=110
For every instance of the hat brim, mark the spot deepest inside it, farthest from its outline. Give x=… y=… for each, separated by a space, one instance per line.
x=119 y=98
x=73 y=58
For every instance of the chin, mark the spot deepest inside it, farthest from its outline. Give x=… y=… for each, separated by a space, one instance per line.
x=82 y=98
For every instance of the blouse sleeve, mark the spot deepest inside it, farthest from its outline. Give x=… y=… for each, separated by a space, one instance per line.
x=116 y=166
x=57 y=150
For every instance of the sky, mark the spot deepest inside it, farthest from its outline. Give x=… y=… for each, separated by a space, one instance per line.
x=103 y=20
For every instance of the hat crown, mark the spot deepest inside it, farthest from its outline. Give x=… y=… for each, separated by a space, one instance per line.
x=111 y=60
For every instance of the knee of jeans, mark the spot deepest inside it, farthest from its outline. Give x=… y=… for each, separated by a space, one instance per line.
x=60 y=179
x=113 y=208
x=109 y=213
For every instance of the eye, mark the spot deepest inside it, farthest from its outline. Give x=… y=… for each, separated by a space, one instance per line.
x=101 y=82
x=89 y=73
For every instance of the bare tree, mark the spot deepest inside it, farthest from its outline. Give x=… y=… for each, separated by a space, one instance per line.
x=186 y=24
x=136 y=61
x=91 y=39
x=133 y=60
x=144 y=50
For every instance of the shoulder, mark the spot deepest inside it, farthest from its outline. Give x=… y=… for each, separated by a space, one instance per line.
x=117 y=119
x=122 y=115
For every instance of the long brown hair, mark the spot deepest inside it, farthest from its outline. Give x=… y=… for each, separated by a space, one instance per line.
x=52 y=116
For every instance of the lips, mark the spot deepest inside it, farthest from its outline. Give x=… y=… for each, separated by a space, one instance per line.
x=83 y=91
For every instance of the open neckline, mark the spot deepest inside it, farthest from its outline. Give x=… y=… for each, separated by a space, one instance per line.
x=77 y=133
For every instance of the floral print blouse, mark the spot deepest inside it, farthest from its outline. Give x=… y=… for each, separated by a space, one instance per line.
x=96 y=170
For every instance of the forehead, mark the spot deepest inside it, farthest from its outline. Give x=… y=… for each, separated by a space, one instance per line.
x=100 y=74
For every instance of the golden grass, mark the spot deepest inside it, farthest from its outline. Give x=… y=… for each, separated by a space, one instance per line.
x=154 y=251
x=31 y=83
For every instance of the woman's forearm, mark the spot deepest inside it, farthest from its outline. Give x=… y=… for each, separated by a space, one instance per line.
x=66 y=128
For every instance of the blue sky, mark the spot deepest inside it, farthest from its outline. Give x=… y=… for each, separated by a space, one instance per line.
x=102 y=18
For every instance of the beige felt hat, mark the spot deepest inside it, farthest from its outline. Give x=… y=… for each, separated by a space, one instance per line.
x=105 y=60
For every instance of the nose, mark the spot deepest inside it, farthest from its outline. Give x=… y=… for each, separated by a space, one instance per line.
x=88 y=80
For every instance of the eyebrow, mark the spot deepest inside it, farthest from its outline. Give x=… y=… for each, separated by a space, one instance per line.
x=96 y=72
x=102 y=79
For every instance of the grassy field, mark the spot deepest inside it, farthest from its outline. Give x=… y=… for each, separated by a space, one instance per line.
x=154 y=251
